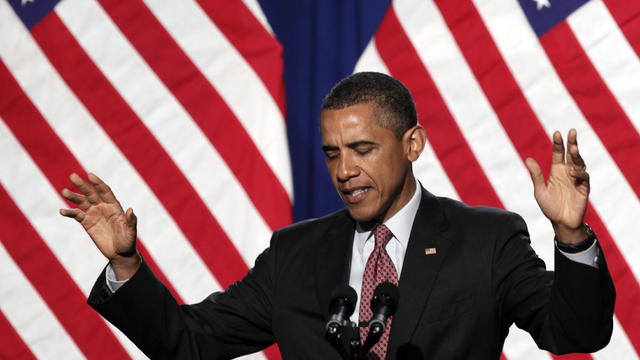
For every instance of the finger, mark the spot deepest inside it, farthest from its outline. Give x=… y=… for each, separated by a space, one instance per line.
x=537 y=177
x=132 y=219
x=73 y=213
x=580 y=176
x=85 y=188
x=103 y=189
x=573 y=153
x=76 y=198
x=557 y=157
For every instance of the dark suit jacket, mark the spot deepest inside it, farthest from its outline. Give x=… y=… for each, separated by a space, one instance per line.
x=455 y=304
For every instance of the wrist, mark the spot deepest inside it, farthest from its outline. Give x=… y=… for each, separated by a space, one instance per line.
x=587 y=239
x=571 y=235
x=125 y=267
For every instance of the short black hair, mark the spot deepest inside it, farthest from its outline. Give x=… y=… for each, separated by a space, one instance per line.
x=396 y=110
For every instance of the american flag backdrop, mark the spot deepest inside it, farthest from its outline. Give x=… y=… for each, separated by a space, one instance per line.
x=202 y=115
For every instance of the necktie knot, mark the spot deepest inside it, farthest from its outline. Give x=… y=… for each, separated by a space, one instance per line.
x=382 y=235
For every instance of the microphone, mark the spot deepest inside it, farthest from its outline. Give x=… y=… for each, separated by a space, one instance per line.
x=383 y=304
x=341 y=307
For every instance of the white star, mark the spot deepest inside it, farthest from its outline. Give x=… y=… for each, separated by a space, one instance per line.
x=542 y=3
x=24 y=2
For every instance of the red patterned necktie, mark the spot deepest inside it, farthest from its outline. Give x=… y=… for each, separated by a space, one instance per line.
x=379 y=269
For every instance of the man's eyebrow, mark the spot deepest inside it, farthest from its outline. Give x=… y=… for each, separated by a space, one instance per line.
x=326 y=148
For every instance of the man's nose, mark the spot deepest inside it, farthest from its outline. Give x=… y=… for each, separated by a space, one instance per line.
x=347 y=168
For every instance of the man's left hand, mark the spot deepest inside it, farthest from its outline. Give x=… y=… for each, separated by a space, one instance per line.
x=564 y=196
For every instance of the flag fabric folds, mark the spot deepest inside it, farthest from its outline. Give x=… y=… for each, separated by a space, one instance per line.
x=202 y=115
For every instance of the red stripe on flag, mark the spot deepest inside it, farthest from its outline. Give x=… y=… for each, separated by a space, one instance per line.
x=573 y=356
x=621 y=140
x=46 y=149
x=523 y=128
x=492 y=73
x=256 y=45
x=627 y=15
x=11 y=344
x=58 y=290
x=443 y=133
x=140 y=147
x=627 y=293
x=622 y=276
x=595 y=100
x=205 y=106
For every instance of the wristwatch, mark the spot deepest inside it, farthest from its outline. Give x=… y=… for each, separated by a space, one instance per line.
x=581 y=246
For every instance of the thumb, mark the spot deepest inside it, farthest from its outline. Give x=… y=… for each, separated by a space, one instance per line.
x=536 y=174
x=132 y=220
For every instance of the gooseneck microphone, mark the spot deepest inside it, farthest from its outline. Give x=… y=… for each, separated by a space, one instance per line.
x=341 y=307
x=384 y=304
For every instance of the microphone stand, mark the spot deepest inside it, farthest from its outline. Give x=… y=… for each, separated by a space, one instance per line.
x=346 y=340
x=375 y=332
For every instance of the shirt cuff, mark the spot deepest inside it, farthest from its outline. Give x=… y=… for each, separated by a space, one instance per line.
x=588 y=257
x=112 y=283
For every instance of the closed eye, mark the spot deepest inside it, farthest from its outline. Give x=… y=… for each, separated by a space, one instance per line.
x=364 y=150
x=363 y=147
x=330 y=152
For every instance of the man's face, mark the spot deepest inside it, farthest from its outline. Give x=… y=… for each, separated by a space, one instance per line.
x=368 y=165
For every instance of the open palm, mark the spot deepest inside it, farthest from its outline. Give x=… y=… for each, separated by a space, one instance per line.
x=111 y=229
x=563 y=198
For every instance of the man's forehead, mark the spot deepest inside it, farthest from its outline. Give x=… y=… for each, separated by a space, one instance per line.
x=355 y=136
x=355 y=116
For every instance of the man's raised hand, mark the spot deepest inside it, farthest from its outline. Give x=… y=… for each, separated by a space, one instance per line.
x=111 y=229
x=563 y=198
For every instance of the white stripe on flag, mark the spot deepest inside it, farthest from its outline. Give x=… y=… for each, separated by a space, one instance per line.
x=29 y=314
x=520 y=345
x=68 y=241
x=256 y=10
x=213 y=54
x=95 y=151
x=611 y=195
x=610 y=54
x=370 y=60
x=475 y=117
x=65 y=238
x=170 y=124
x=619 y=346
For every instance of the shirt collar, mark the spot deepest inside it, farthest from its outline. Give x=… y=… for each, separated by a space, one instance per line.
x=399 y=224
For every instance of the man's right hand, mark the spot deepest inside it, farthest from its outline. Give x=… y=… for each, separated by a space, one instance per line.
x=111 y=229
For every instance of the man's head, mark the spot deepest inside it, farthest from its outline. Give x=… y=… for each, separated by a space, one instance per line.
x=395 y=109
x=370 y=137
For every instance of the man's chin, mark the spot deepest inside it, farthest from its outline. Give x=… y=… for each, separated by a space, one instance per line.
x=365 y=218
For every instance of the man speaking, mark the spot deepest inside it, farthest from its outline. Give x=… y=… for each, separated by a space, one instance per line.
x=464 y=274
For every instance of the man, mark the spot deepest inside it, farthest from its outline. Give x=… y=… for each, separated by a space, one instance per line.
x=465 y=274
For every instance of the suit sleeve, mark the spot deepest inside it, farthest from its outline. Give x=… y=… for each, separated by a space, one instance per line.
x=225 y=325
x=569 y=310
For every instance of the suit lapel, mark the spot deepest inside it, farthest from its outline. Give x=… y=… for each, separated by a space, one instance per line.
x=333 y=259
x=419 y=270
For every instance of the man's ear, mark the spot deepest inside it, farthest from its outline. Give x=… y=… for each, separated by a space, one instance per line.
x=414 y=140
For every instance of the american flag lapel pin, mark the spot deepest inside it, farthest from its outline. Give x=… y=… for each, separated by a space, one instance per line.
x=429 y=251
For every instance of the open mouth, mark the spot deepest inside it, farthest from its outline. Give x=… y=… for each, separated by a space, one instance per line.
x=355 y=196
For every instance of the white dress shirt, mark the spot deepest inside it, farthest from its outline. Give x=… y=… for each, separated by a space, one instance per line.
x=400 y=226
